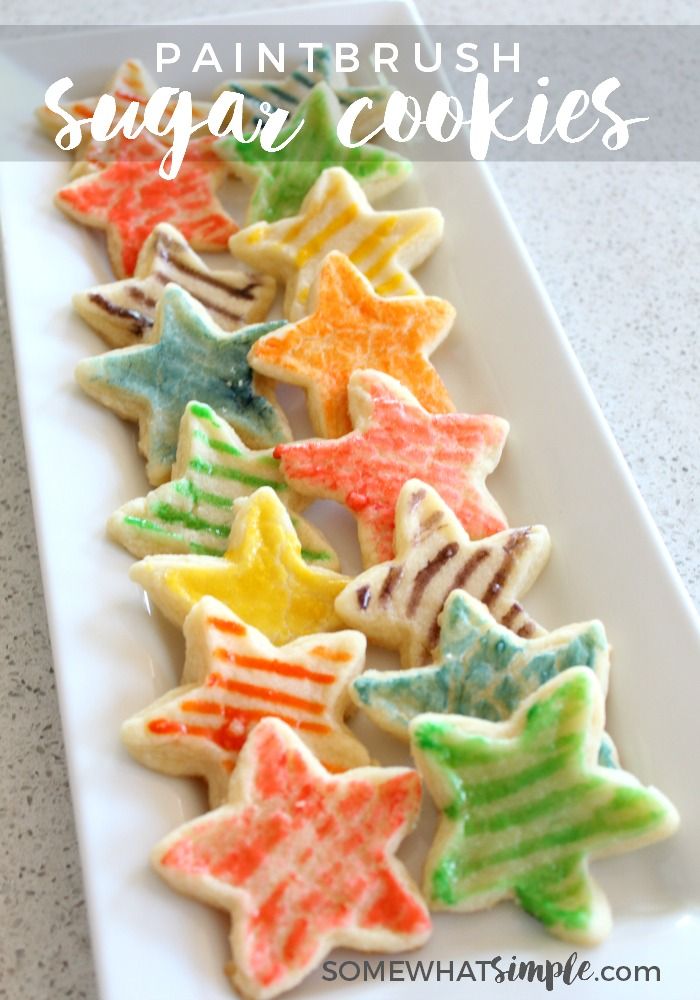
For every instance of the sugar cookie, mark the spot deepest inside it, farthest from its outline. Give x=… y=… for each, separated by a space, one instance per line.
x=131 y=83
x=261 y=577
x=194 y=512
x=398 y=603
x=127 y=199
x=525 y=807
x=481 y=668
x=283 y=177
x=234 y=677
x=123 y=312
x=394 y=439
x=336 y=215
x=352 y=327
x=288 y=93
x=185 y=357
x=303 y=860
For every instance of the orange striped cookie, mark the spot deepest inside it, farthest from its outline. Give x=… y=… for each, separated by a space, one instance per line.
x=234 y=676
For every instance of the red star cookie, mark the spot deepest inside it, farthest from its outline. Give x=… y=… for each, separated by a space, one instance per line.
x=352 y=327
x=303 y=860
x=128 y=199
x=396 y=439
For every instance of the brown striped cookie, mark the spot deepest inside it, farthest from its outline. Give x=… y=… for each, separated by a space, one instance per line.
x=397 y=604
x=122 y=312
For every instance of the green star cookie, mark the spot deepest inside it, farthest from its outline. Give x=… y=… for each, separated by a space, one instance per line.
x=525 y=806
x=186 y=356
x=283 y=178
x=195 y=511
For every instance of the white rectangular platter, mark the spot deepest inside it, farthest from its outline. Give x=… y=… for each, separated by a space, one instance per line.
x=508 y=355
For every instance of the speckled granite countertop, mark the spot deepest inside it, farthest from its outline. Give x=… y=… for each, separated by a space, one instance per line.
x=618 y=248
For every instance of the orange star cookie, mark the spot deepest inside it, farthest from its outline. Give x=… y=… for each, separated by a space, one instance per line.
x=352 y=327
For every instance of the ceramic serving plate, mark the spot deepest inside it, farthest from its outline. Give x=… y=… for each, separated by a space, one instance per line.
x=508 y=355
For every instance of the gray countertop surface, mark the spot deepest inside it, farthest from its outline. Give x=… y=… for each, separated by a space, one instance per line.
x=618 y=249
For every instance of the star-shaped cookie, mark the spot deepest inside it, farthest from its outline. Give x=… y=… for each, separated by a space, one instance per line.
x=336 y=215
x=395 y=439
x=288 y=93
x=525 y=807
x=185 y=356
x=123 y=312
x=398 y=603
x=284 y=176
x=127 y=199
x=352 y=327
x=234 y=677
x=481 y=668
x=131 y=84
x=262 y=576
x=303 y=860
x=194 y=512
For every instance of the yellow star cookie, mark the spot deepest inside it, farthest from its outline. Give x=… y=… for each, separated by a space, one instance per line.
x=336 y=215
x=262 y=576
x=234 y=677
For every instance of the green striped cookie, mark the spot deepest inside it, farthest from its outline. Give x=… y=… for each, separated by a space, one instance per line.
x=193 y=513
x=525 y=805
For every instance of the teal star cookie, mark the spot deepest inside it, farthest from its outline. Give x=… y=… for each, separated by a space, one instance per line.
x=524 y=806
x=482 y=669
x=283 y=178
x=186 y=357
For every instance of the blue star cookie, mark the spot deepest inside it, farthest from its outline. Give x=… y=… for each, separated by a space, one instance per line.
x=482 y=670
x=185 y=357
